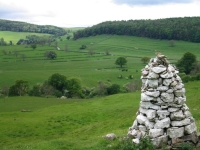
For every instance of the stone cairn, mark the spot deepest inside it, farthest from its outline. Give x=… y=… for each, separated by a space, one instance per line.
x=163 y=115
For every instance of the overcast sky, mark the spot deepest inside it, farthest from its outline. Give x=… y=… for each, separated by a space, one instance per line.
x=84 y=13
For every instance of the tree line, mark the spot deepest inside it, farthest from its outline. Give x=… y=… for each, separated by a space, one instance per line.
x=16 y=26
x=186 y=29
x=58 y=85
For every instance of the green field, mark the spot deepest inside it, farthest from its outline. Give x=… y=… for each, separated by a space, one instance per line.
x=73 y=123
x=15 y=36
x=90 y=69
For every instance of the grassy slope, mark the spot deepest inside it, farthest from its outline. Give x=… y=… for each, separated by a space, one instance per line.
x=80 y=64
x=73 y=124
x=15 y=36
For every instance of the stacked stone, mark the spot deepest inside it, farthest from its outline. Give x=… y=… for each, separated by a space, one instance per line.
x=163 y=114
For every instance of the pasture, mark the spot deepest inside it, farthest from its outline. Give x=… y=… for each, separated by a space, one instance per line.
x=73 y=124
x=80 y=63
x=15 y=36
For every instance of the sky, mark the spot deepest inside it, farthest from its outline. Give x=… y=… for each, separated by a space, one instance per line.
x=86 y=13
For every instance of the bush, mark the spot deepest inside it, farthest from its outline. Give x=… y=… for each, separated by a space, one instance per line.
x=113 y=89
x=36 y=90
x=83 y=47
x=127 y=144
x=185 y=146
x=186 y=78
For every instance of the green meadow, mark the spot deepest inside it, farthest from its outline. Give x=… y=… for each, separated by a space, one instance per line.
x=79 y=124
x=73 y=124
x=79 y=63
x=15 y=36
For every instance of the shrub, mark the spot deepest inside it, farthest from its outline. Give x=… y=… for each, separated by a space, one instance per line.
x=113 y=89
x=127 y=144
x=186 y=78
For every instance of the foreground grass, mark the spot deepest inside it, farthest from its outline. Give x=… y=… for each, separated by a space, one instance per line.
x=73 y=124
x=64 y=124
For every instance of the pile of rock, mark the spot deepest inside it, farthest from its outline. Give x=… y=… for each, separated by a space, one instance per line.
x=163 y=114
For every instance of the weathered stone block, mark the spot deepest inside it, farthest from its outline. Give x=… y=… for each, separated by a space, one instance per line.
x=162 y=88
x=167 y=75
x=148 y=105
x=141 y=119
x=167 y=97
x=150 y=113
x=180 y=100
x=153 y=75
x=153 y=93
x=173 y=109
x=142 y=128
x=146 y=98
x=177 y=115
x=162 y=114
x=189 y=129
x=180 y=93
x=152 y=83
x=159 y=69
x=175 y=132
x=159 y=142
x=155 y=132
x=149 y=124
x=164 y=123
x=167 y=82
x=180 y=123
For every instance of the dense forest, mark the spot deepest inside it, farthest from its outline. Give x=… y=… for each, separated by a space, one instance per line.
x=16 y=26
x=186 y=29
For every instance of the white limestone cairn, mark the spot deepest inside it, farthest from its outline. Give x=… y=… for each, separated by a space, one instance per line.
x=163 y=114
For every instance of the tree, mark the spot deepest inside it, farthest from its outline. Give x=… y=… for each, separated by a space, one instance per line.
x=74 y=87
x=68 y=37
x=121 y=61
x=171 y=43
x=23 y=56
x=33 y=46
x=19 y=88
x=145 y=59
x=58 y=81
x=50 y=54
x=66 y=48
x=91 y=52
x=113 y=89
x=185 y=64
x=36 y=90
x=5 y=90
x=16 y=53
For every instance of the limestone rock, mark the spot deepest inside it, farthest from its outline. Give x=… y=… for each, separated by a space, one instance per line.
x=163 y=113
x=110 y=136
x=159 y=69
x=190 y=128
x=177 y=115
x=152 y=83
x=175 y=132
x=180 y=123
x=160 y=141
x=141 y=119
x=155 y=132
x=164 y=123
x=153 y=94
x=167 y=75
x=167 y=97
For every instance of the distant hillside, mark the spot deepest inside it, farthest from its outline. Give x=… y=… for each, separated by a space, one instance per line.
x=186 y=29
x=16 y=26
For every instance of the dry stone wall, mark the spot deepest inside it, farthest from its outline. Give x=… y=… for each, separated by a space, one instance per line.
x=163 y=114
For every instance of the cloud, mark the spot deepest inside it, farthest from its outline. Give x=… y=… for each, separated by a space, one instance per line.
x=149 y=2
